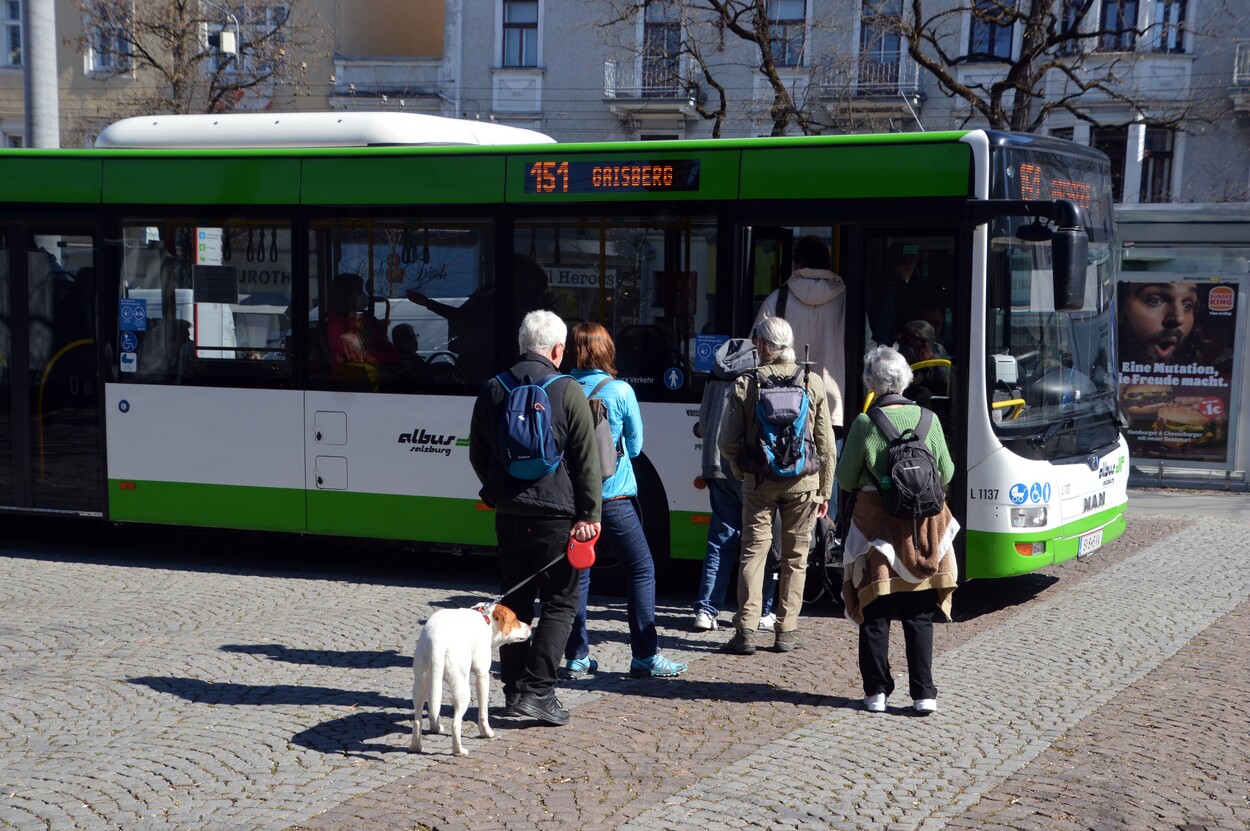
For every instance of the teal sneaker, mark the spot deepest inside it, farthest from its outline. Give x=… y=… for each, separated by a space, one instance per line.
x=657 y=666
x=577 y=668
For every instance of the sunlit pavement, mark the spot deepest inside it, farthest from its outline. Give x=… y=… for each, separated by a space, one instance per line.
x=1108 y=693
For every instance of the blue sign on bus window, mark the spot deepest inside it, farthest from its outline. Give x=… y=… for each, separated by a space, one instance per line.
x=134 y=315
x=705 y=347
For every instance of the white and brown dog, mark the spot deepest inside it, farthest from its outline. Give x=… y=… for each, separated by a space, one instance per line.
x=455 y=644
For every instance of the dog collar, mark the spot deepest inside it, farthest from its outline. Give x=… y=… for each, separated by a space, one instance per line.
x=484 y=609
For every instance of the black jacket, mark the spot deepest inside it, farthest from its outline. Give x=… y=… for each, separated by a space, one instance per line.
x=575 y=488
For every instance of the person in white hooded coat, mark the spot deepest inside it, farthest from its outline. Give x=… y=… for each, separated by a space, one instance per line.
x=815 y=308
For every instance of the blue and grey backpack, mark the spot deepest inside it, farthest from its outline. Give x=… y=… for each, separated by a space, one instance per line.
x=526 y=442
x=785 y=448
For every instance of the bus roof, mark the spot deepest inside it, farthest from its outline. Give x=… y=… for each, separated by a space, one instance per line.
x=311 y=129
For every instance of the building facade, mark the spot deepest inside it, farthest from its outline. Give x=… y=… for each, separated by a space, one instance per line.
x=379 y=54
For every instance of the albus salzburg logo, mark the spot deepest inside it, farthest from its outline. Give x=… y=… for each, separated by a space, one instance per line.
x=423 y=442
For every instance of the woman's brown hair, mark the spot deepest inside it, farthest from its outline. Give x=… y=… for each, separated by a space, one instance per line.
x=592 y=348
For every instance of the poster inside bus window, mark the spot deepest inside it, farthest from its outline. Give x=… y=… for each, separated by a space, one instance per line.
x=1179 y=374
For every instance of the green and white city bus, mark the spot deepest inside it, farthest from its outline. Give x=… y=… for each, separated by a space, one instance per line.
x=168 y=314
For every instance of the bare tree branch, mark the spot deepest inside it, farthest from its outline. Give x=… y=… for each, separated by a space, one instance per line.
x=163 y=46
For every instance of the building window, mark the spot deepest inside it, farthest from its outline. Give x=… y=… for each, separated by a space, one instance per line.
x=110 y=48
x=12 y=23
x=992 y=25
x=520 y=33
x=1071 y=25
x=1064 y=133
x=880 y=47
x=1119 y=25
x=1114 y=142
x=1156 y=166
x=661 y=51
x=13 y=142
x=1167 y=25
x=787 y=23
x=252 y=25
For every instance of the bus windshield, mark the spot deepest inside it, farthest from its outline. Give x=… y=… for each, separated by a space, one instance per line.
x=1051 y=383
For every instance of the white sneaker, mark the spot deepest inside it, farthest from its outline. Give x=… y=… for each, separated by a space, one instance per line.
x=704 y=622
x=875 y=703
x=768 y=621
x=924 y=706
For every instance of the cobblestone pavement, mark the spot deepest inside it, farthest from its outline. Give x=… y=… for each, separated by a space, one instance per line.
x=1100 y=694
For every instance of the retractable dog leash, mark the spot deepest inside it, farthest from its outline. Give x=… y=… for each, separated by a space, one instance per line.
x=581 y=555
x=527 y=579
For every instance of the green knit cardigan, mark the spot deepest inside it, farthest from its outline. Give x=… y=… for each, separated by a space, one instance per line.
x=865 y=449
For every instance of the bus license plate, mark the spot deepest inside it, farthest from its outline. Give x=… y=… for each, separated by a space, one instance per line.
x=1090 y=543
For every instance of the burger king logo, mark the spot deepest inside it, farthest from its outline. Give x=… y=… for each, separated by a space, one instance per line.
x=1221 y=299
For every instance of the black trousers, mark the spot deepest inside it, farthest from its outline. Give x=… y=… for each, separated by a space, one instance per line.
x=915 y=610
x=527 y=544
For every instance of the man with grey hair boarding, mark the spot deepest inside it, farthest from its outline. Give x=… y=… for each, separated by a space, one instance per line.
x=779 y=442
x=541 y=498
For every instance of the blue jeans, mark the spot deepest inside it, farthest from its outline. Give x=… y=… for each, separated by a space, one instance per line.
x=622 y=529
x=724 y=542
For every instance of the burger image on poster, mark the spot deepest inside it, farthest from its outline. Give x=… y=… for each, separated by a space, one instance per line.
x=1181 y=426
x=1145 y=399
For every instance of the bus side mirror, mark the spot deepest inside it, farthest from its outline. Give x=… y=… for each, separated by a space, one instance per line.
x=1070 y=255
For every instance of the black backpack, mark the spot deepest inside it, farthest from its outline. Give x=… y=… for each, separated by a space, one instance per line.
x=912 y=485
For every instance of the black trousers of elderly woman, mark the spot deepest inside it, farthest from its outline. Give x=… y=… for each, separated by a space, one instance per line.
x=915 y=611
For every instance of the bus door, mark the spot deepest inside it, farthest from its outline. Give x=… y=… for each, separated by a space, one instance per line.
x=900 y=289
x=51 y=447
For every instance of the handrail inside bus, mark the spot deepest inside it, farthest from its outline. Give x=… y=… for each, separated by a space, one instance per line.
x=925 y=364
x=1018 y=403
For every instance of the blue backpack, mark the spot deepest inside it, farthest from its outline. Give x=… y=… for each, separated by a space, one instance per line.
x=526 y=442
x=785 y=448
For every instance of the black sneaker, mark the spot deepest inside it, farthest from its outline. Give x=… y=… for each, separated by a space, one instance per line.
x=545 y=708
x=510 y=700
x=742 y=643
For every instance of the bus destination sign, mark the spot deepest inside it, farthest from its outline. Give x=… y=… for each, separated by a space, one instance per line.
x=566 y=176
x=1038 y=183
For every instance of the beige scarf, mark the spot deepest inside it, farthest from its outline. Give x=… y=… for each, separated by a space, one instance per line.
x=884 y=554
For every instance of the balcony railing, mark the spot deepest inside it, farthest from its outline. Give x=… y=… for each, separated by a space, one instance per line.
x=1241 y=66
x=876 y=75
x=634 y=79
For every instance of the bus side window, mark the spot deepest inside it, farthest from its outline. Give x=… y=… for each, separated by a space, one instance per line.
x=650 y=282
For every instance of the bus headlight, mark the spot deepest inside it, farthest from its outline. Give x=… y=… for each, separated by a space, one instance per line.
x=1034 y=517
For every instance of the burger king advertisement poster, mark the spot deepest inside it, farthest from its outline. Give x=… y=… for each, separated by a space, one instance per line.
x=1179 y=373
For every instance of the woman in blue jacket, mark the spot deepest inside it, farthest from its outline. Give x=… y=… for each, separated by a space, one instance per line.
x=594 y=359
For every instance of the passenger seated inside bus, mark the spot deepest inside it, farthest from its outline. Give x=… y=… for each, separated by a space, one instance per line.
x=357 y=347
x=919 y=343
x=647 y=351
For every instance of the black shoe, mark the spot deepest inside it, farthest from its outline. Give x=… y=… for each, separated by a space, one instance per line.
x=787 y=641
x=510 y=700
x=545 y=708
x=742 y=643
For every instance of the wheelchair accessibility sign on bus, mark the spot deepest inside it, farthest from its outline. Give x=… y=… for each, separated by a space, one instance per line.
x=1021 y=493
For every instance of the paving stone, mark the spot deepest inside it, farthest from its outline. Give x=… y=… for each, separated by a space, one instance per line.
x=216 y=699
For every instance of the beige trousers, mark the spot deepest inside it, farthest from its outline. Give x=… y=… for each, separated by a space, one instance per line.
x=798 y=515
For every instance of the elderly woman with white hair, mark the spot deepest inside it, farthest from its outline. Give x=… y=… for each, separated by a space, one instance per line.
x=893 y=568
x=800 y=498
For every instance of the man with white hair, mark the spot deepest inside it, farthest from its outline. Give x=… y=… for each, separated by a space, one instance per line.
x=800 y=498
x=534 y=518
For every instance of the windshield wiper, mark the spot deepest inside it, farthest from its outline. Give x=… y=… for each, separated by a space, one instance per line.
x=1051 y=431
